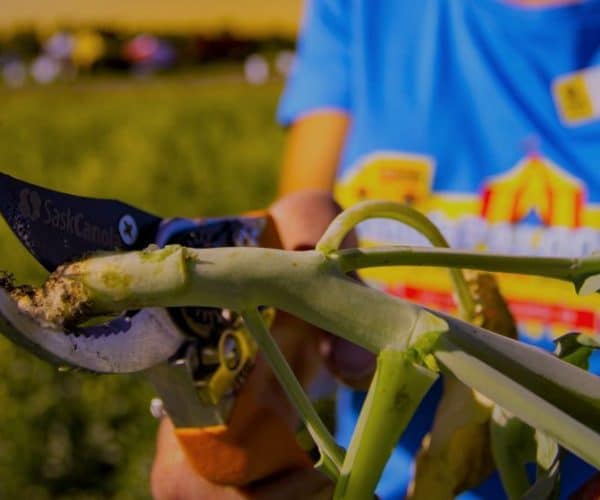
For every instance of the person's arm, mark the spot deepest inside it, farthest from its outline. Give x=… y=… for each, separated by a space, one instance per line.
x=313 y=150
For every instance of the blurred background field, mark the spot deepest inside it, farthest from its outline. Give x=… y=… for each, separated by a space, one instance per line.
x=166 y=106
x=257 y=17
x=191 y=143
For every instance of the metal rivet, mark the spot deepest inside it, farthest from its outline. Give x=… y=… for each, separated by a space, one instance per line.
x=157 y=408
x=128 y=229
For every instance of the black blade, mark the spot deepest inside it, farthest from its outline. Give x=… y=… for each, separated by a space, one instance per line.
x=57 y=227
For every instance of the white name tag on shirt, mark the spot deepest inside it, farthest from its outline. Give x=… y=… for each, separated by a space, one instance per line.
x=577 y=96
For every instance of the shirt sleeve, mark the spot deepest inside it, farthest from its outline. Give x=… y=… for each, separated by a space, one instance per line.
x=320 y=75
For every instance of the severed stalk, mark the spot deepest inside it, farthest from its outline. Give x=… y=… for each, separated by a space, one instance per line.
x=545 y=392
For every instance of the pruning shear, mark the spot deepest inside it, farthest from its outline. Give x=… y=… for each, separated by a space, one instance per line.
x=196 y=357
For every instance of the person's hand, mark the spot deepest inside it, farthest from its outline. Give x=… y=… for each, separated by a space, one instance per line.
x=257 y=450
x=265 y=461
x=174 y=478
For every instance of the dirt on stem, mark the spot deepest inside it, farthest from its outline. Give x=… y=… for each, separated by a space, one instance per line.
x=60 y=303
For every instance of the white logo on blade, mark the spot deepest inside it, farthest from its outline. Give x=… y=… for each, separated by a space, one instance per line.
x=128 y=229
x=30 y=204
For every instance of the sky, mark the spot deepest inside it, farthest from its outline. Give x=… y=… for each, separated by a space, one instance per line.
x=245 y=16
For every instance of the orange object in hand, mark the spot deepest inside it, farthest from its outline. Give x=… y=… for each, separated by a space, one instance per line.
x=256 y=443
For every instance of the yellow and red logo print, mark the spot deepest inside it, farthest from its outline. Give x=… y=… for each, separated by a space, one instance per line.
x=535 y=185
x=402 y=177
x=535 y=208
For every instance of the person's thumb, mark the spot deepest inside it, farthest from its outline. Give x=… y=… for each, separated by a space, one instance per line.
x=352 y=364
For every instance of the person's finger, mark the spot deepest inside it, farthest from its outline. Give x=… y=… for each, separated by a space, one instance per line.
x=259 y=439
x=173 y=477
x=301 y=218
x=350 y=363
x=304 y=484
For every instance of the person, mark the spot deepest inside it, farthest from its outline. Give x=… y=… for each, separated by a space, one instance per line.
x=483 y=114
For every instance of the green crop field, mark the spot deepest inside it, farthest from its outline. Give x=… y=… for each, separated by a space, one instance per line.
x=177 y=146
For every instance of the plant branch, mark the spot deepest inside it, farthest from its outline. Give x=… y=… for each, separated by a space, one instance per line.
x=534 y=404
x=305 y=284
x=312 y=287
x=396 y=391
x=400 y=255
x=512 y=442
x=332 y=239
x=334 y=455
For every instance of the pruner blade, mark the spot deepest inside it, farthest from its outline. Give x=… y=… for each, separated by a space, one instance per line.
x=129 y=343
x=58 y=227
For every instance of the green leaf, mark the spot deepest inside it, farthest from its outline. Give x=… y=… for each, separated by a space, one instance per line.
x=576 y=348
x=547 y=482
x=516 y=444
x=586 y=274
x=538 y=392
x=512 y=447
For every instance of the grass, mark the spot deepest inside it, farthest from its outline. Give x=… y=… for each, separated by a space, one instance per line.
x=174 y=146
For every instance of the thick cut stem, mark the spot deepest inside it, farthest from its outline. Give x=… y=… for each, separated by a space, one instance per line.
x=305 y=284
x=546 y=392
x=396 y=391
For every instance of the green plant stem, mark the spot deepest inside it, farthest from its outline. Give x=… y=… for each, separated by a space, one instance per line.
x=546 y=392
x=567 y=269
x=513 y=445
x=527 y=404
x=336 y=232
x=396 y=391
x=305 y=284
x=334 y=455
x=575 y=391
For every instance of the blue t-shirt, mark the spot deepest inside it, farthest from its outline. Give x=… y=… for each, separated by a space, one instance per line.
x=485 y=116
